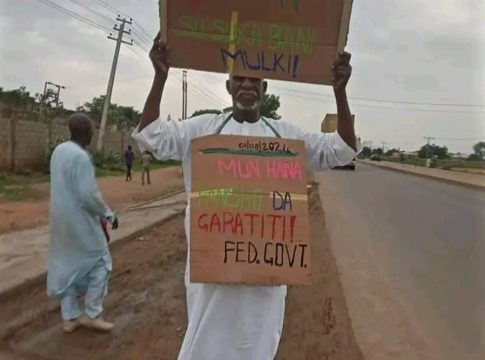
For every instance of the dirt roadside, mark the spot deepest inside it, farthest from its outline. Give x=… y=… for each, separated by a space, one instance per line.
x=119 y=194
x=147 y=303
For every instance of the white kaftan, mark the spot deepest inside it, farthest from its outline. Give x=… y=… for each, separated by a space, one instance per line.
x=227 y=322
x=77 y=241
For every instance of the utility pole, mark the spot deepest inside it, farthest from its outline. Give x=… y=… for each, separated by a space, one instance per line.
x=184 y=94
x=428 y=150
x=44 y=107
x=107 y=99
x=383 y=146
x=59 y=87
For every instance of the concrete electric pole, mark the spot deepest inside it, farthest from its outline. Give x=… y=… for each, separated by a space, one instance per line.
x=383 y=146
x=428 y=150
x=107 y=99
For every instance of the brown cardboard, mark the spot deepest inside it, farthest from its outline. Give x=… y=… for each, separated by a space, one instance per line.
x=290 y=40
x=240 y=232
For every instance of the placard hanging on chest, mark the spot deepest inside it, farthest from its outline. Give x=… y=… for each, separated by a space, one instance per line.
x=249 y=211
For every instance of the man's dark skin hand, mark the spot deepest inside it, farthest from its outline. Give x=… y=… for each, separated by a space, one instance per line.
x=115 y=223
x=159 y=56
x=247 y=93
x=342 y=71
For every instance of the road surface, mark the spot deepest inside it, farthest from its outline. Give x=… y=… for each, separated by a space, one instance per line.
x=411 y=252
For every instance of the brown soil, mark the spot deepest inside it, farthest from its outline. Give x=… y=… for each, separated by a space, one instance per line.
x=119 y=194
x=147 y=304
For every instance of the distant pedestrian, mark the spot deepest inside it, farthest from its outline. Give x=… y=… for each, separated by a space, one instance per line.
x=79 y=260
x=129 y=157
x=401 y=156
x=146 y=158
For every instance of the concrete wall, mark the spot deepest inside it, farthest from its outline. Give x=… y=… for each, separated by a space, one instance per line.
x=24 y=140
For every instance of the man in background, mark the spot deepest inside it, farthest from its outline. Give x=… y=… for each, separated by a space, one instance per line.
x=129 y=157
x=146 y=158
x=79 y=258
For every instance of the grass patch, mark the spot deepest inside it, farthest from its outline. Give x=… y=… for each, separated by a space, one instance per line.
x=15 y=187
x=18 y=187
x=120 y=170
x=443 y=164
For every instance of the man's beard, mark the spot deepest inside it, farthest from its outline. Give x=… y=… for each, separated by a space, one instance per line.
x=247 y=108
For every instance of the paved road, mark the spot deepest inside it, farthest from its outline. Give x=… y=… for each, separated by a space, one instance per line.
x=412 y=256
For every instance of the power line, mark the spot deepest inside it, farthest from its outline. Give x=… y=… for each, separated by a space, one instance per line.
x=460 y=139
x=208 y=93
x=140 y=40
x=147 y=37
x=100 y=15
x=205 y=90
x=399 y=102
x=318 y=98
x=417 y=103
x=111 y=8
x=419 y=110
x=200 y=92
x=74 y=15
x=137 y=54
x=142 y=36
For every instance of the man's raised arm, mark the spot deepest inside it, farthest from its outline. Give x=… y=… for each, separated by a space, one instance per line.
x=341 y=75
x=159 y=55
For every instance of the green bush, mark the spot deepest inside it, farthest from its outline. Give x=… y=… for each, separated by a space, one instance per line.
x=49 y=150
x=108 y=160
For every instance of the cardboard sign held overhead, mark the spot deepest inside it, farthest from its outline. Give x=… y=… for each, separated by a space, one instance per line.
x=249 y=211
x=289 y=40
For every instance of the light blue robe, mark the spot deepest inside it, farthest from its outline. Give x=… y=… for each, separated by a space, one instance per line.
x=77 y=241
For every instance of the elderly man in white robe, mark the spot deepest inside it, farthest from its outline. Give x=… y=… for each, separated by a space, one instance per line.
x=79 y=258
x=237 y=322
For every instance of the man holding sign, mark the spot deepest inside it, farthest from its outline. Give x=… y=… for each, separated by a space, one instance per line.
x=234 y=321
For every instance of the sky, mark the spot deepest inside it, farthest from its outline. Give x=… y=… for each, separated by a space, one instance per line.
x=414 y=51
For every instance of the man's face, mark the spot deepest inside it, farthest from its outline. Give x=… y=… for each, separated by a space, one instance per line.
x=246 y=93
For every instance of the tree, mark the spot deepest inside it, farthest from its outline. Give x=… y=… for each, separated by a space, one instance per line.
x=474 y=157
x=377 y=151
x=366 y=151
x=94 y=108
x=390 y=152
x=205 y=111
x=479 y=150
x=17 y=98
x=441 y=152
x=123 y=116
x=270 y=106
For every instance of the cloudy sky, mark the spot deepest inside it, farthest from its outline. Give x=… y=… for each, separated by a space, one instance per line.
x=416 y=51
